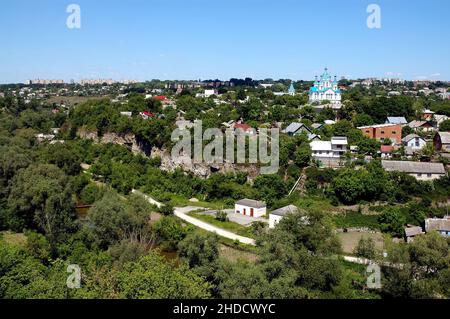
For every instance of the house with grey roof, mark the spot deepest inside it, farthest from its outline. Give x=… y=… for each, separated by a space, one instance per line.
x=250 y=207
x=412 y=231
x=441 y=142
x=396 y=120
x=296 y=128
x=441 y=225
x=420 y=170
x=278 y=214
x=413 y=143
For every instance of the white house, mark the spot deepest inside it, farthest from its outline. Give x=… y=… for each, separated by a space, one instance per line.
x=329 y=149
x=208 y=93
x=413 y=143
x=278 y=214
x=250 y=207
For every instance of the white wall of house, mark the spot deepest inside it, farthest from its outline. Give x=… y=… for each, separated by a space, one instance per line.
x=416 y=143
x=274 y=220
x=426 y=177
x=247 y=210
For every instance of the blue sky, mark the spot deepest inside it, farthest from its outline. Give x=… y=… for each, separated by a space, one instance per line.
x=203 y=39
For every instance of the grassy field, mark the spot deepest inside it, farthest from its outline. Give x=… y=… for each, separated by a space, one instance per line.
x=354 y=219
x=18 y=239
x=350 y=240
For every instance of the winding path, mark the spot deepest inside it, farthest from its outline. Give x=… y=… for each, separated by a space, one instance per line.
x=181 y=212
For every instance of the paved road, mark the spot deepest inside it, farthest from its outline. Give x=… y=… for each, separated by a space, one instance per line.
x=181 y=212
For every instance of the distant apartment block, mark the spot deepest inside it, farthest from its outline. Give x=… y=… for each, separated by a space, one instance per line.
x=45 y=82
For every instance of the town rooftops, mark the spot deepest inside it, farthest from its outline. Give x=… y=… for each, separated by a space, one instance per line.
x=439 y=224
x=428 y=112
x=396 y=120
x=413 y=167
x=377 y=126
x=251 y=203
x=283 y=211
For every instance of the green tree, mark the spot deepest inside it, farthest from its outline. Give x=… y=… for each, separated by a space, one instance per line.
x=41 y=199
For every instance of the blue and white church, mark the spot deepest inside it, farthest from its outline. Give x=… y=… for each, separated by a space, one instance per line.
x=325 y=89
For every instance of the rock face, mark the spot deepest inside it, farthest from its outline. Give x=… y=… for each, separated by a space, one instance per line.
x=167 y=162
x=128 y=140
x=201 y=169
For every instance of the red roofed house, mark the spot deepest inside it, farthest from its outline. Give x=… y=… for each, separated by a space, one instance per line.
x=245 y=128
x=146 y=115
x=386 y=151
x=161 y=98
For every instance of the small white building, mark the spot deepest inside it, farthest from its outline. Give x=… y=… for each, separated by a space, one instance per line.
x=414 y=142
x=250 y=207
x=278 y=214
x=208 y=93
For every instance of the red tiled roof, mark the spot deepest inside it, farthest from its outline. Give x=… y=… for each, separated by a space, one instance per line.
x=160 y=97
x=387 y=148
x=244 y=127
x=148 y=114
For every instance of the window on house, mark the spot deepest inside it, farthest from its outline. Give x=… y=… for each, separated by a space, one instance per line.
x=419 y=175
x=394 y=132
x=382 y=132
x=428 y=175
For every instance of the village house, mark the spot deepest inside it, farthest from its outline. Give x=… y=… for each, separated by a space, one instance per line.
x=381 y=132
x=146 y=115
x=441 y=225
x=335 y=148
x=386 y=151
x=242 y=128
x=250 y=207
x=278 y=214
x=296 y=128
x=412 y=231
x=439 y=118
x=41 y=137
x=420 y=170
x=423 y=126
x=128 y=114
x=428 y=115
x=413 y=143
x=441 y=142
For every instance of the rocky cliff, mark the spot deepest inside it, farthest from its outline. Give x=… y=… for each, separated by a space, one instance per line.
x=167 y=162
